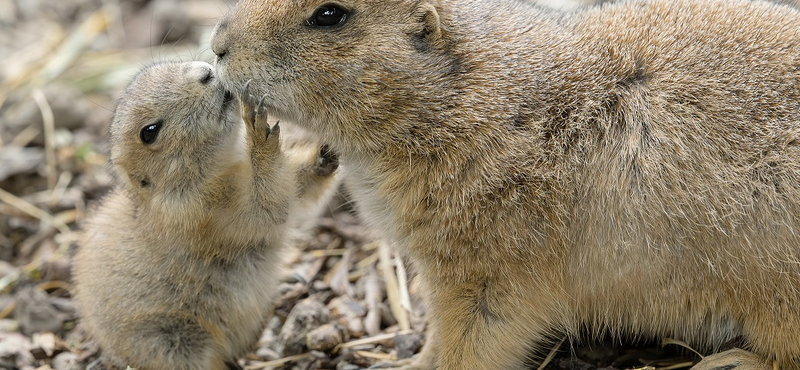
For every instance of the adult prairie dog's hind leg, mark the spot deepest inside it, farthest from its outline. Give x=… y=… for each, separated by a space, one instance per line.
x=479 y=323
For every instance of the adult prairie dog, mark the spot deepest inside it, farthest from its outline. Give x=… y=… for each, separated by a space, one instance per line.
x=632 y=168
x=180 y=261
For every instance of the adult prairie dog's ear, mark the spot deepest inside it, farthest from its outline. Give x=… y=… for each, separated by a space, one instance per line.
x=431 y=25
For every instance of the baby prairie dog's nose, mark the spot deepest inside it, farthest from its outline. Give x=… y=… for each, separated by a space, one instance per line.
x=201 y=72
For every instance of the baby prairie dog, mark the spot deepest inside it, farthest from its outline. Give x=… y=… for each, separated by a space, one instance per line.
x=632 y=168
x=181 y=260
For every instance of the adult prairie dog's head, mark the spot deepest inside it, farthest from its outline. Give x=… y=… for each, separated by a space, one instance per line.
x=169 y=126
x=340 y=68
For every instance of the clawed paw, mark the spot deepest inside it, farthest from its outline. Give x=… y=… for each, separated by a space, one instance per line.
x=736 y=358
x=327 y=161
x=254 y=114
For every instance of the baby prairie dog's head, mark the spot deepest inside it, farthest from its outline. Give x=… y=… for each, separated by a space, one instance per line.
x=169 y=128
x=339 y=68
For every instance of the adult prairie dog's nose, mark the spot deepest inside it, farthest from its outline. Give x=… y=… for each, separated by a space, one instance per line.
x=219 y=38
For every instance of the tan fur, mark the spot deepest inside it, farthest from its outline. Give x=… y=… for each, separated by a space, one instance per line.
x=738 y=358
x=180 y=261
x=632 y=168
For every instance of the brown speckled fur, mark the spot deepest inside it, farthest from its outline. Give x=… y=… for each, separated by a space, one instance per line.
x=180 y=261
x=633 y=168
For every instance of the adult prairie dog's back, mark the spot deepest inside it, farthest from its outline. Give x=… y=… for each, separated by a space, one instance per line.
x=632 y=168
x=180 y=261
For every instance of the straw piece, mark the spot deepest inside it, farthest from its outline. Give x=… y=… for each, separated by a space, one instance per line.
x=552 y=353
x=370 y=340
x=277 y=363
x=33 y=211
x=49 y=136
x=393 y=288
x=668 y=341
x=402 y=278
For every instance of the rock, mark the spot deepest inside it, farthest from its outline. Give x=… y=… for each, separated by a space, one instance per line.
x=36 y=313
x=346 y=366
x=327 y=337
x=350 y=313
x=306 y=316
x=14 y=160
x=407 y=345
x=15 y=348
x=67 y=361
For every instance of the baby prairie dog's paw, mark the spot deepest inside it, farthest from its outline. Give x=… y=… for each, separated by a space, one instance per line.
x=255 y=118
x=327 y=161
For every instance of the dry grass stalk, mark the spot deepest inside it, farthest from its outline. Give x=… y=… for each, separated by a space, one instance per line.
x=327 y=252
x=49 y=136
x=373 y=297
x=552 y=353
x=376 y=356
x=277 y=363
x=682 y=365
x=370 y=340
x=25 y=137
x=58 y=222
x=33 y=211
x=668 y=341
x=393 y=289
x=8 y=310
x=402 y=278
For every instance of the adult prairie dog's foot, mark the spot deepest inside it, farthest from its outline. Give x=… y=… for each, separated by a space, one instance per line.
x=327 y=162
x=255 y=115
x=736 y=358
x=407 y=364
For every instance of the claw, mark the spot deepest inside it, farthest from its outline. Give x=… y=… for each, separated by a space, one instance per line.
x=260 y=104
x=276 y=130
x=260 y=112
x=251 y=116
x=248 y=114
x=245 y=87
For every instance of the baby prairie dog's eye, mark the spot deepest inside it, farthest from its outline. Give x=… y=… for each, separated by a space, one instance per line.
x=150 y=132
x=328 y=15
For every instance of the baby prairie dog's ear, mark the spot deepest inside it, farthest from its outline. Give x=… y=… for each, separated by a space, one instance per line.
x=431 y=32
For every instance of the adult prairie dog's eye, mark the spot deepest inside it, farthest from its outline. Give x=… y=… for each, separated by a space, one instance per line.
x=150 y=132
x=328 y=15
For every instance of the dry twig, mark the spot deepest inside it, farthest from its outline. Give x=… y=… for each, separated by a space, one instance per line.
x=393 y=288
